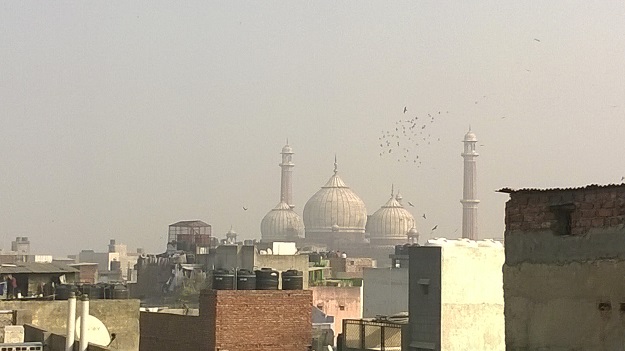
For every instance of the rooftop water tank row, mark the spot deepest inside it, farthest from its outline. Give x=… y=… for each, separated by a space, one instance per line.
x=262 y=279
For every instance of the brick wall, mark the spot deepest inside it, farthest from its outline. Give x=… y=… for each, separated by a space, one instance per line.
x=260 y=320
x=235 y=320
x=88 y=273
x=592 y=207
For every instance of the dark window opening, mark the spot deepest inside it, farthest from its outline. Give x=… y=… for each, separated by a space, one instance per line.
x=562 y=225
x=604 y=306
x=622 y=307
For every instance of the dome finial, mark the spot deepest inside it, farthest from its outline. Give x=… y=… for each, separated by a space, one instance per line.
x=392 y=189
x=336 y=166
x=287 y=140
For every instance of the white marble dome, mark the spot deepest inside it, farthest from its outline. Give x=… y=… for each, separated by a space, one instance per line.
x=335 y=208
x=470 y=136
x=391 y=221
x=281 y=223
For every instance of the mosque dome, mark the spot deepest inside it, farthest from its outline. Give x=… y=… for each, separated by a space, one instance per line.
x=287 y=149
x=391 y=221
x=281 y=223
x=335 y=208
x=470 y=136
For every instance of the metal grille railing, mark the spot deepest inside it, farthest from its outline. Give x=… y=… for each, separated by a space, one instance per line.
x=363 y=335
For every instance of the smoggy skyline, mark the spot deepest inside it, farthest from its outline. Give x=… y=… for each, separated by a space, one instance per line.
x=120 y=118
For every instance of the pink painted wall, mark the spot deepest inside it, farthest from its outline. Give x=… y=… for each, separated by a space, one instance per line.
x=340 y=302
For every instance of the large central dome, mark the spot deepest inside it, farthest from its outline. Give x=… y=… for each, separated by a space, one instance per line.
x=335 y=208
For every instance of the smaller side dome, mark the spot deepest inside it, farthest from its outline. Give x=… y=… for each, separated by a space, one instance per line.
x=281 y=223
x=391 y=222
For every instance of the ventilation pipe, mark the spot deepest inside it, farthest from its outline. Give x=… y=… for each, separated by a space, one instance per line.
x=71 y=322
x=84 y=314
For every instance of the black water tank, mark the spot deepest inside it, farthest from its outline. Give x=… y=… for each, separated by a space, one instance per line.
x=292 y=280
x=62 y=291
x=266 y=279
x=94 y=291
x=223 y=279
x=246 y=280
x=120 y=292
x=106 y=290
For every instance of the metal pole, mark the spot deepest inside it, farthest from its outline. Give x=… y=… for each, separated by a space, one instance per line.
x=84 y=314
x=71 y=322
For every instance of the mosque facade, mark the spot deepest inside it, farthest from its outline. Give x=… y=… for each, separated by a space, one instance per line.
x=336 y=218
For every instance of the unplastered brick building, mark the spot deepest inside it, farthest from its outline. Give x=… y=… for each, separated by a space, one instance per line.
x=563 y=275
x=233 y=320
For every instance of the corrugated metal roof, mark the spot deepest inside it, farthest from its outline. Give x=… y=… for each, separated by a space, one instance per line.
x=196 y=223
x=36 y=267
x=590 y=186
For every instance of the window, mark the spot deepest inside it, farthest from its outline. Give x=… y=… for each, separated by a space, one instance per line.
x=562 y=224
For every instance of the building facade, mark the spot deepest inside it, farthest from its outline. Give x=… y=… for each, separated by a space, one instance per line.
x=251 y=320
x=456 y=296
x=565 y=257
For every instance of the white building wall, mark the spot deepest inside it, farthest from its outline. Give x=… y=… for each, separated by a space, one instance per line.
x=103 y=259
x=385 y=291
x=472 y=302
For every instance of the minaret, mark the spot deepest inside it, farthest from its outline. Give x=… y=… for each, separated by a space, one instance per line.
x=469 y=194
x=286 y=180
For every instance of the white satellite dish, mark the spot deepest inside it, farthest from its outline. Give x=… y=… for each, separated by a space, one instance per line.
x=96 y=331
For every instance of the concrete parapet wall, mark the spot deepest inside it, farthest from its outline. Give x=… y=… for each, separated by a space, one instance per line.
x=119 y=316
x=575 y=306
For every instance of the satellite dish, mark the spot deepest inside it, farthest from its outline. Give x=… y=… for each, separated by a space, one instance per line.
x=96 y=331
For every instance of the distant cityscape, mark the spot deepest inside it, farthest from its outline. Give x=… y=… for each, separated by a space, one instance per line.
x=338 y=279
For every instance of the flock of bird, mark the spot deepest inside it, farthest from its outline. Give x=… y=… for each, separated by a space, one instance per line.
x=404 y=140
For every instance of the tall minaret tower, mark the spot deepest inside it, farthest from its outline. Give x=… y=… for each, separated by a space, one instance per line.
x=469 y=194
x=286 y=180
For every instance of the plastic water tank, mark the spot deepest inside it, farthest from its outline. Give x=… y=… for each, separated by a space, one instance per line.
x=266 y=279
x=62 y=291
x=292 y=280
x=223 y=279
x=120 y=292
x=246 y=280
x=94 y=291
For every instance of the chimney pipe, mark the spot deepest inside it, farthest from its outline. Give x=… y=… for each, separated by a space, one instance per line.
x=84 y=314
x=71 y=322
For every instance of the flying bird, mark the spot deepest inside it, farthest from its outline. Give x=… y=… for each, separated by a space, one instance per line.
x=405 y=109
x=244 y=208
x=436 y=226
x=538 y=40
x=622 y=179
x=410 y=204
x=424 y=217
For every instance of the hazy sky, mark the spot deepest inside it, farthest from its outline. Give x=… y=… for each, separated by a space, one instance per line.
x=119 y=118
